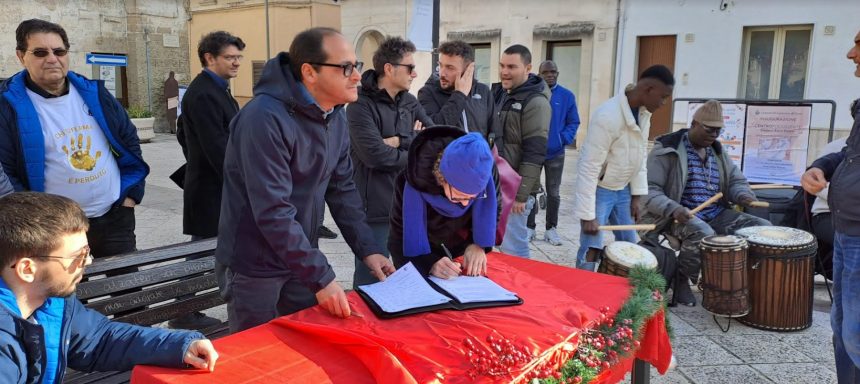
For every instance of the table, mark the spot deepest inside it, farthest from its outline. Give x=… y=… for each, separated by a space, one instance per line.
x=312 y=346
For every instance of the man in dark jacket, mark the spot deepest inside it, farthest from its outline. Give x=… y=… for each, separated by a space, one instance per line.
x=65 y=134
x=844 y=202
x=207 y=109
x=382 y=124
x=44 y=329
x=525 y=114
x=288 y=153
x=455 y=97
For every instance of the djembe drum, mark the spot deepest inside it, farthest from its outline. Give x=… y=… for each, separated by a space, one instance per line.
x=780 y=271
x=620 y=256
x=725 y=291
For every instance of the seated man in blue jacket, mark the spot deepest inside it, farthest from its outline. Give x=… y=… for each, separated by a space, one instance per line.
x=43 y=327
x=64 y=134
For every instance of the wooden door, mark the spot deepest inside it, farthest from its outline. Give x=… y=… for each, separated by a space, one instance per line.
x=658 y=50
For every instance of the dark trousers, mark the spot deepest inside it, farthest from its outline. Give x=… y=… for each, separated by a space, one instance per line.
x=553 y=170
x=362 y=275
x=822 y=228
x=112 y=233
x=252 y=301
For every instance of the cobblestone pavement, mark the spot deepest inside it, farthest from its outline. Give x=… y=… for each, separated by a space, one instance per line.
x=704 y=353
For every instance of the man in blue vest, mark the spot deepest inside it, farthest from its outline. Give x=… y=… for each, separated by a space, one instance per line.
x=64 y=134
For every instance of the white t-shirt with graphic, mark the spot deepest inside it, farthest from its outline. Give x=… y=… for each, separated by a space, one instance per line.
x=78 y=160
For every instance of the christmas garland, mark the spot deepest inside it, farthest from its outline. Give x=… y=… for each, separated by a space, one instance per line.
x=609 y=341
x=613 y=339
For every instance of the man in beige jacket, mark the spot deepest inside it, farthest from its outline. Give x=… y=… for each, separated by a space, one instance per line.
x=611 y=173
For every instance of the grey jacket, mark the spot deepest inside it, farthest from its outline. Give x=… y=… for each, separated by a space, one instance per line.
x=667 y=177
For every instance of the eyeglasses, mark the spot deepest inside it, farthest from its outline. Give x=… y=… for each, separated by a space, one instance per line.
x=712 y=130
x=347 y=68
x=233 y=58
x=80 y=258
x=42 y=52
x=451 y=197
x=410 y=67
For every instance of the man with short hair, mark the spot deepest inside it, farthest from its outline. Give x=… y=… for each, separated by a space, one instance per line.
x=844 y=203
x=207 y=109
x=44 y=329
x=525 y=114
x=455 y=97
x=685 y=169
x=611 y=174
x=382 y=124
x=288 y=153
x=562 y=132
x=65 y=134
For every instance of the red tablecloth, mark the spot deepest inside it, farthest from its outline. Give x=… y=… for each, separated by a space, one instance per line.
x=313 y=347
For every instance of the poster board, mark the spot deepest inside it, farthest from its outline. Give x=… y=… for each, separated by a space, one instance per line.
x=732 y=135
x=776 y=143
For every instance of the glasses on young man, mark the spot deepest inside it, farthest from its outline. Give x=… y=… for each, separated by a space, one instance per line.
x=233 y=58
x=42 y=52
x=410 y=67
x=348 y=68
x=78 y=259
x=451 y=197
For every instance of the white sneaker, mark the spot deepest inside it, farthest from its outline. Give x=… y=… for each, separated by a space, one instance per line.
x=551 y=236
x=532 y=234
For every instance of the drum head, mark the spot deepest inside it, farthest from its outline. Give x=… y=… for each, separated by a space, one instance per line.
x=776 y=236
x=629 y=254
x=724 y=241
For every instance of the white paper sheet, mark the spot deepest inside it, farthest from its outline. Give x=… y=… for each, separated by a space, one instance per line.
x=471 y=289
x=404 y=289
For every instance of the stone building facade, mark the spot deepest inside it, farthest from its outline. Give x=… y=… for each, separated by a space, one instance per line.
x=129 y=28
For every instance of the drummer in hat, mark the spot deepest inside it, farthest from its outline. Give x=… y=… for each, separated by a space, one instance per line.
x=685 y=169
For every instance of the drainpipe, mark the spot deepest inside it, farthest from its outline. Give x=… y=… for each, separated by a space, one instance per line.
x=148 y=69
x=618 y=46
x=268 y=52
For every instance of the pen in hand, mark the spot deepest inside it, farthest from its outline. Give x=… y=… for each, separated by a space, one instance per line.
x=454 y=266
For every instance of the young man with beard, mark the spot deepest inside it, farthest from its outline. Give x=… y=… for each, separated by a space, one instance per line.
x=288 y=153
x=525 y=114
x=611 y=175
x=454 y=97
x=382 y=124
x=44 y=329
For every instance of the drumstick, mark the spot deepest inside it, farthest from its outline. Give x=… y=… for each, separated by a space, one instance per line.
x=770 y=186
x=759 y=204
x=708 y=202
x=628 y=227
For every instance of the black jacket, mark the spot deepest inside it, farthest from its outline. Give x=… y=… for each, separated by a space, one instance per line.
x=446 y=107
x=206 y=113
x=375 y=116
x=844 y=175
x=284 y=159
x=455 y=233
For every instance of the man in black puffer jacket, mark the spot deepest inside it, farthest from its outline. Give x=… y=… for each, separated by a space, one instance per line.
x=382 y=124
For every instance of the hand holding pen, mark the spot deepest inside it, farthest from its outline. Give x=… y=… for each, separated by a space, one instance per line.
x=446 y=267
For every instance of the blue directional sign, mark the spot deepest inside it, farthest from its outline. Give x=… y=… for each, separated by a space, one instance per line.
x=107 y=60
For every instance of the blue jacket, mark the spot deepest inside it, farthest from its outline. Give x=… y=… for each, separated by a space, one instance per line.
x=22 y=145
x=88 y=341
x=284 y=160
x=565 y=121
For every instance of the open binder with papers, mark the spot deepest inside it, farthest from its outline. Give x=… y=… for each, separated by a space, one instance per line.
x=406 y=292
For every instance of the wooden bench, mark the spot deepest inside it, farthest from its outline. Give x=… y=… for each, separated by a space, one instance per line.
x=150 y=287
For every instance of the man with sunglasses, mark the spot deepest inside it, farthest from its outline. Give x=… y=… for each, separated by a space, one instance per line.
x=44 y=329
x=65 y=134
x=685 y=169
x=288 y=153
x=382 y=124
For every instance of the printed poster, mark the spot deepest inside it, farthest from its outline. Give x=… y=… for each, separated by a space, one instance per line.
x=732 y=134
x=777 y=140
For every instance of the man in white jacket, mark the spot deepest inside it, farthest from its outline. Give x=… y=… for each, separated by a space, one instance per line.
x=611 y=173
